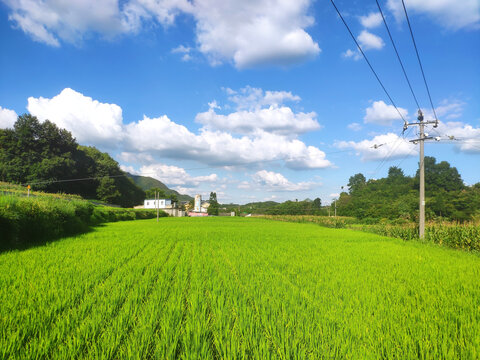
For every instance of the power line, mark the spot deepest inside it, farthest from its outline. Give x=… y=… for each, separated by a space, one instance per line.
x=186 y=169
x=392 y=150
x=419 y=61
x=398 y=55
x=368 y=62
x=405 y=157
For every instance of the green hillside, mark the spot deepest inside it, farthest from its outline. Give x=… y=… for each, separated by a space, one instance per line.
x=146 y=183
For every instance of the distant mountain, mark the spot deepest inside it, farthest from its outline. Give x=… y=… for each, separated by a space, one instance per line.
x=146 y=183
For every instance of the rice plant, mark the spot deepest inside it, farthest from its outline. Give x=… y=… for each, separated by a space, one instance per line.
x=238 y=288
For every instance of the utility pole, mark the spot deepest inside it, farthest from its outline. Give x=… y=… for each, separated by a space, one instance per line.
x=421 y=125
x=157 y=197
x=335 y=202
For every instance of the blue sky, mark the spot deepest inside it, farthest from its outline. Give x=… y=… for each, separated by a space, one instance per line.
x=256 y=100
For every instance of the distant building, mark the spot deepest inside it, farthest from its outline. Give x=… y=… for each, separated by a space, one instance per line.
x=162 y=203
x=197 y=205
x=199 y=208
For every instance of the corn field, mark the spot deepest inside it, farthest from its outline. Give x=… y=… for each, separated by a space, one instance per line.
x=464 y=236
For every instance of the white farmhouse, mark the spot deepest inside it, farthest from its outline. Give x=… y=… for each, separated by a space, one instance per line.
x=161 y=203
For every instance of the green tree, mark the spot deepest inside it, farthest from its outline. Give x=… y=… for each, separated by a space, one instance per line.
x=40 y=153
x=213 y=207
x=173 y=198
x=43 y=155
x=150 y=193
x=439 y=176
x=107 y=191
x=395 y=174
x=356 y=183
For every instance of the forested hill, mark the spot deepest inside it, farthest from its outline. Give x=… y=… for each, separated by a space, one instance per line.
x=147 y=183
x=49 y=159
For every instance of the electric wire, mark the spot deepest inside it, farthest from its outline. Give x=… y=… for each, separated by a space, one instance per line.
x=41 y=182
x=368 y=62
x=419 y=61
x=185 y=169
x=398 y=55
x=405 y=157
x=387 y=157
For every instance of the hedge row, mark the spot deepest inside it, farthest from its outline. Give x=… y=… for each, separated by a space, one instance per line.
x=27 y=221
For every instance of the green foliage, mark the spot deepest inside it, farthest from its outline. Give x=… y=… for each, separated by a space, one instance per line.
x=41 y=153
x=465 y=236
x=396 y=196
x=147 y=183
x=336 y=222
x=151 y=193
x=28 y=221
x=161 y=193
x=297 y=208
x=258 y=289
x=440 y=176
x=213 y=207
x=356 y=183
x=304 y=207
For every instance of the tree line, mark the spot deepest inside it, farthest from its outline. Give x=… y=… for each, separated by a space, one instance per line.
x=41 y=154
x=303 y=207
x=397 y=195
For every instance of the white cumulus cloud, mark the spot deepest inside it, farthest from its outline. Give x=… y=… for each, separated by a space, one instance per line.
x=246 y=33
x=272 y=181
x=355 y=55
x=465 y=137
x=90 y=121
x=389 y=146
x=219 y=148
x=250 y=98
x=369 y=41
x=253 y=33
x=259 y=110
x=163 y=136
x=7 y=118
x=185 y=51
x=371 y=20
x=452 y=14
x=275 y=120
x=450 y=109
x=49 y=21
x=382 y=114
x=175 y=176
x=101 y=125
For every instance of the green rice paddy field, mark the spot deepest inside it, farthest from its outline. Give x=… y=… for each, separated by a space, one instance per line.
x=232 y=288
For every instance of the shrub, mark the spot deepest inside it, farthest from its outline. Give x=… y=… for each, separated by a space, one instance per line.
x=25 y=221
